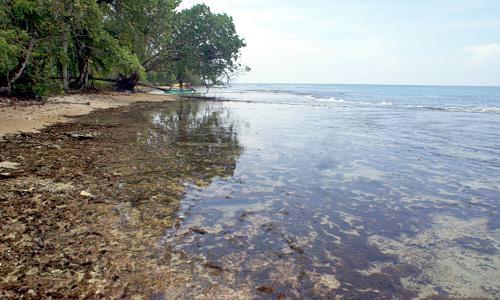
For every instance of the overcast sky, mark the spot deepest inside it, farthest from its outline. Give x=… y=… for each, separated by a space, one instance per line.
x=367 y=41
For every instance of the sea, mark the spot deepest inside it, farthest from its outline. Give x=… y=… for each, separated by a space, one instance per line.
x=330 y=191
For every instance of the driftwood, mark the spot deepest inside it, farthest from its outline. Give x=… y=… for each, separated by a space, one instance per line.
x=123 y=83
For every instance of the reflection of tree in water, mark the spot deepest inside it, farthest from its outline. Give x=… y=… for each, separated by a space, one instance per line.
x=201 y=137
x=184 y=142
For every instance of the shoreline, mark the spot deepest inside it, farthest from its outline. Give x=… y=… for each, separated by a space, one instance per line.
x=33 y=116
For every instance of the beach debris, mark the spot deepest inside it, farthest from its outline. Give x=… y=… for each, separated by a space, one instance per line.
x=8 y=165
x=86 y=194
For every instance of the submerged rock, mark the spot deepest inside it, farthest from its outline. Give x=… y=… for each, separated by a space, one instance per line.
x=86 y=194
x=266 y=288
x=83 y=135
x=8 y=165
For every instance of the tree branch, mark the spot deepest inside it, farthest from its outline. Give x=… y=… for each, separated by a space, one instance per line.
x=24 y=63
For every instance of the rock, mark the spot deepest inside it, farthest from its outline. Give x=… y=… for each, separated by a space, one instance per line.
x=62 y=187
x=8 y=165
x=50 y=186
x=213 y=266
x=5 y=175
x=265 y=288
x=86 y=194
x=198 y=230
x=82 y=135
x=329 y=281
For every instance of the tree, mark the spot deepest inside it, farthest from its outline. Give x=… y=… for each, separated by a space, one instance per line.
x=94 y=50
x=205 y=46
x=43 y=39
x=143 y=26
x=22 y=28
x=53 y=45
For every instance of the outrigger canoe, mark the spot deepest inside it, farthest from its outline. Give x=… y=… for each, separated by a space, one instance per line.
x=183 y=92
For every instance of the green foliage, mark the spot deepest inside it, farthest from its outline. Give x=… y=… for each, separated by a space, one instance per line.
x=46 y=43
x=143 y=26
x=23 y=28
x=10 y=49
x=205 y=46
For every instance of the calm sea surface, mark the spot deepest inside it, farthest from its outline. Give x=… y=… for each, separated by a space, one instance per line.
x=373 y=192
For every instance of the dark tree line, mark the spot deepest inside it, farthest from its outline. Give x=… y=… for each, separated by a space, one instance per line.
x=51 y=45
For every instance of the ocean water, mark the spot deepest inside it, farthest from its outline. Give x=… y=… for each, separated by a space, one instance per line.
x=335 y=191
x=445 y=98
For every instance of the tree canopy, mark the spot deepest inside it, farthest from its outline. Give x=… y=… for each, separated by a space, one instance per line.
x=205 y=46
x=50 y=45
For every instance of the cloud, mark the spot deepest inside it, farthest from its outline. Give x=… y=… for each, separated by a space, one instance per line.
x=376 y=41
x=486 y=53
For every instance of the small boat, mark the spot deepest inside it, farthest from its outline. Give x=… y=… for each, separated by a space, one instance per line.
x=179 y=91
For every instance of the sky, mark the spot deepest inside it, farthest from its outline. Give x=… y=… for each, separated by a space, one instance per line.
x=440 y=42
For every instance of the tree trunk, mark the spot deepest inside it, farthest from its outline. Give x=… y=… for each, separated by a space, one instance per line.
x=6 y=90
x=64 y=65
x=84 y=76
x=130 y=86
x=10 y=81
x=127 y=83
x=24 y=63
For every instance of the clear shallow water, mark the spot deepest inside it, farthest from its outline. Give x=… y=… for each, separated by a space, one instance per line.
x=341 y=199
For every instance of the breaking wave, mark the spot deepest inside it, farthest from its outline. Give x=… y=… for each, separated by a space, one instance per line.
x=279 y=95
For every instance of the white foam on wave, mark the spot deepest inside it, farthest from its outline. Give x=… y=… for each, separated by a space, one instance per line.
x=388 y=103
x=465 y=109
x=471 y=109
x=331 y=99
x=475 y=109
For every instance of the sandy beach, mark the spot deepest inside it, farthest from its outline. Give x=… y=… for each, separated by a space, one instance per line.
x=19 y=116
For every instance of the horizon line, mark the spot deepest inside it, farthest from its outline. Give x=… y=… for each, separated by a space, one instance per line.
x=379 y=84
